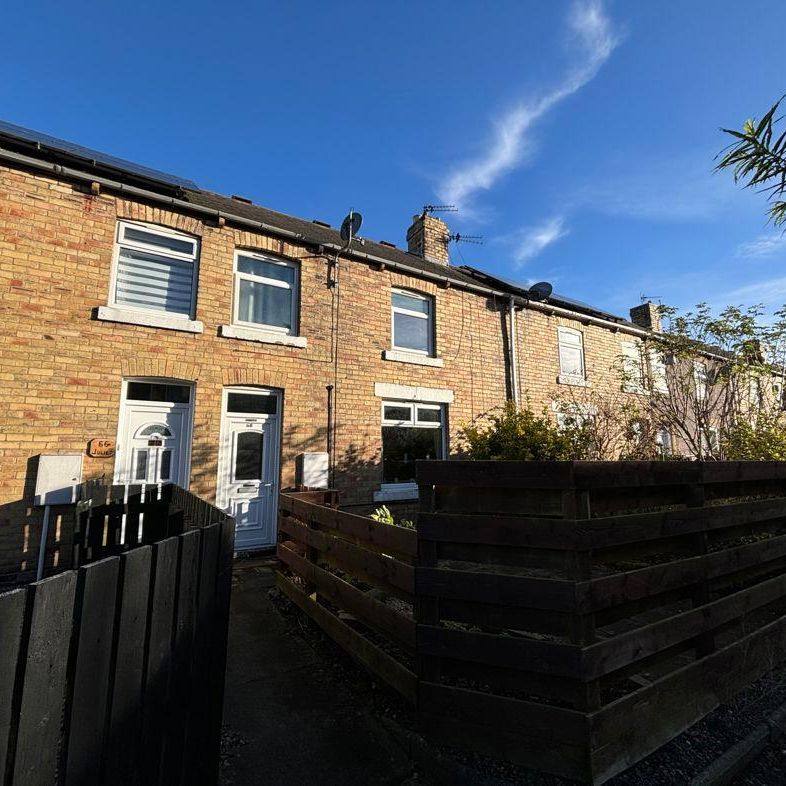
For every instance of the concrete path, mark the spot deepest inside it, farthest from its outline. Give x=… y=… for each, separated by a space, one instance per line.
x=287 y=720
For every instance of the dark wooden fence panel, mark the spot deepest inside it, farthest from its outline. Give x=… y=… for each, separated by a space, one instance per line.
x=198 y=728
x=96 y=609
x=106 y=671
x=569 y=616
x=355 y=578
x=40 y=742
x=12 y=623
x=639 y=594
x=125 y=720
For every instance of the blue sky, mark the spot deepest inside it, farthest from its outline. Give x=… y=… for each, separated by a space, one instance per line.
x=577 y=137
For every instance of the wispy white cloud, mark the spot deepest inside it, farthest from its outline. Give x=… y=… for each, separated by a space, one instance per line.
x=530 y=241
x=763 y=246
x=771 y=292
x=657 y=188
x=592 y=35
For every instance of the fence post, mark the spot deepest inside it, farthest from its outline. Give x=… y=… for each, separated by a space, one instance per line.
x=576 y=507
x=695 y=498
x=428 y=668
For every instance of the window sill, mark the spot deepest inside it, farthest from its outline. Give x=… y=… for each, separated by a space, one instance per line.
x=401 y=356
x=578 y=382
x=396 y=494
x=262 y=336
x=149 y=319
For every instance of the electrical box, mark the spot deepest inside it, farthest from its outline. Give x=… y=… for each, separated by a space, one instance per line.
x=57 y=479
x=311 y=470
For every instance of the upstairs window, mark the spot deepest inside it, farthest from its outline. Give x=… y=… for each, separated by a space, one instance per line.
x=571 y=354
x=701 y=380
x=658 y=364
x=412 y=322
x=632 y=367
x=266 y=292
x=155 y=270
x=410 y=431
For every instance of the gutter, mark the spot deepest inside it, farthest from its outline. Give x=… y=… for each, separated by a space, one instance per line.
x=182 y=205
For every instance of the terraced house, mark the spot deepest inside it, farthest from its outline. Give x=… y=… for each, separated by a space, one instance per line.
x=204 y=340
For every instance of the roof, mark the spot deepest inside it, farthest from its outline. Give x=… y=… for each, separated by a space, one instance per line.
x=49 y=148
x=554 y=299
x=318 y=233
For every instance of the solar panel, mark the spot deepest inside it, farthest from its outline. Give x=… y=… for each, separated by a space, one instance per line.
x=553 y=298
x=584 y=307
x=9 y=130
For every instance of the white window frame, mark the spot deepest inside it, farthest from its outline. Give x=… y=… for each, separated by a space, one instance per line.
x=632 y=356
x=121 y=242
x=664 y=441
x=238 y=276
x=709 y=440
x=577 y=418
x=701 y=379
x=393 y=491
x=566 y=376
x=778 y=394
x=429 y=300
x=658 y=371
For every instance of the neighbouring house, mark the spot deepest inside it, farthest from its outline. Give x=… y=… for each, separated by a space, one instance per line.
x=214 y=341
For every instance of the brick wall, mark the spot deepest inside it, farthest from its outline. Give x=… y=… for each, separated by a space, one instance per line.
x=61 y=368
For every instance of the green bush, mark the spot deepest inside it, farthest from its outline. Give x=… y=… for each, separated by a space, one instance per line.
x=383 y=515
x=762 y=440
x=518 y=434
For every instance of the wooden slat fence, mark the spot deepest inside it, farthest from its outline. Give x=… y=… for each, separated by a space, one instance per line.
x=114 y=673
x=569 y=616
x=356 y=579
x=576 y=616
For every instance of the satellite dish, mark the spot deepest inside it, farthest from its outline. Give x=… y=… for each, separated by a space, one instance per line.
x=350 y=226
x=540 y=291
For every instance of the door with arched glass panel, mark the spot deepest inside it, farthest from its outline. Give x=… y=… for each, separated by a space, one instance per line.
x=154 y=434
x=248 y=465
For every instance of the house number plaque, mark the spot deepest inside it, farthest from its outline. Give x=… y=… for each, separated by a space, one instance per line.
x=101 y=448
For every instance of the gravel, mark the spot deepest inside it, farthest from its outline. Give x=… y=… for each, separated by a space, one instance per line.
x=675 y=763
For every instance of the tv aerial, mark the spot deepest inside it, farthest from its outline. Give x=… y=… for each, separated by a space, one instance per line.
x=439 y=209
x=350 y=226
x=540 y=291
x=457 y=237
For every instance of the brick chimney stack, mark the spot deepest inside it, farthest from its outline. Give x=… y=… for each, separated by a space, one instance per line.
x=428 y=238
x=647 y=315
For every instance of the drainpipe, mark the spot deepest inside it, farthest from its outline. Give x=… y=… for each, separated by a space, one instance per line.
x=329 y=389
x=514 y=376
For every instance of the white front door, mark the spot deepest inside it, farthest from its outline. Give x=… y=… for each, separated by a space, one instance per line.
x=248 y=465
x=154 y=435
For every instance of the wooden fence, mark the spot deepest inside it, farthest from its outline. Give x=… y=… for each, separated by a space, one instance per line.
x=575 y=616
x=114 y=673
x=356 y=579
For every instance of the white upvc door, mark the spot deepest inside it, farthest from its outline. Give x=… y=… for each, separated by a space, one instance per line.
x=153 y=444
x=249 y=467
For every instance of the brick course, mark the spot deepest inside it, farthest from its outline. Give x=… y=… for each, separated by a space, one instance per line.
x=61 y=368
